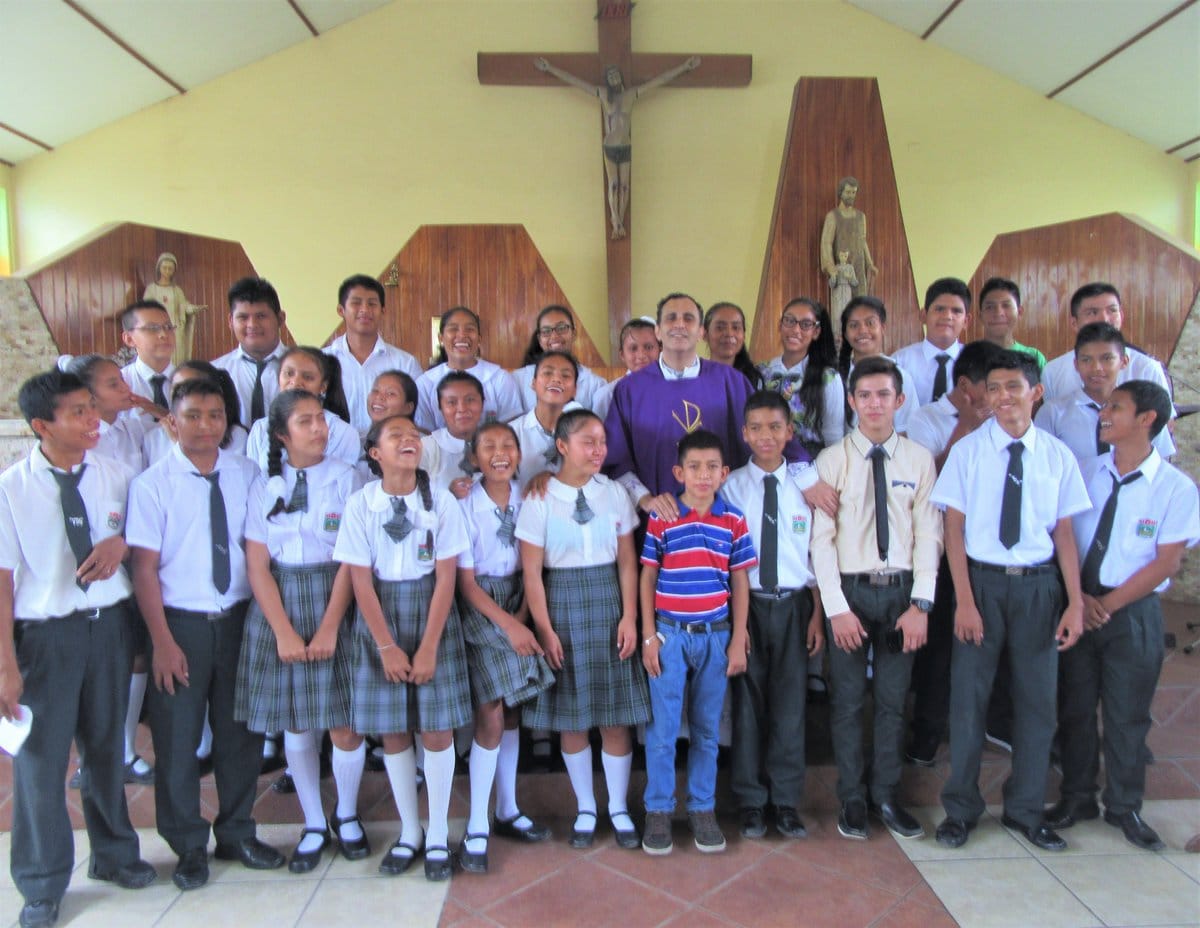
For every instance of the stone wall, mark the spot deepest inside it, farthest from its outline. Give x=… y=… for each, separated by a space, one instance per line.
x=26 y=347
x=1185 y=372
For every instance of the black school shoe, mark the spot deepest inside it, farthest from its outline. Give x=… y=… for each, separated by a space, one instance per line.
x=852 y=820
x=192 y=870
x=507 y=828
x=351 y=850
x=39 y=913
x=753 y=824
x=136 y=875
x=471 y=861
x=306 y=861
x=438 y=869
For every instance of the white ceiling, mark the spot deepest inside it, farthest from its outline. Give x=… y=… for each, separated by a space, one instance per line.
x=61 y=75
x=1150 y=88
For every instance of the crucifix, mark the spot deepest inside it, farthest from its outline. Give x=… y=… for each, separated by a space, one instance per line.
x=616 y=76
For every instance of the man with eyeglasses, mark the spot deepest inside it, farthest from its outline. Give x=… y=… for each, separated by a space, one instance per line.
x=946 y=313
x=146 y=327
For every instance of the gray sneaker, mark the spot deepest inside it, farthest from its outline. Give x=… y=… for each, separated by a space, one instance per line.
x=707 y=832
x=656 y=836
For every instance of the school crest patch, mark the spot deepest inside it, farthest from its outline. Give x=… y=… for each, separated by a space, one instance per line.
x=332 y=521
x=799 y=524
x=114 y=520
x=425 y=551
x=1146 y=528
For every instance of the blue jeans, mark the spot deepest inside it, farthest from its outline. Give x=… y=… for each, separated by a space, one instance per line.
x=693 y=665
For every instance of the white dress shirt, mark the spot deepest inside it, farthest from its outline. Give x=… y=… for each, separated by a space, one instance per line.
x=344 y=443
x=1059 y=377
x=538 y=452
x=920 y=360
x=157 y=443
x=305 y=536
x=357 y=379
x=744 y=490
x=137 y=374
x=487 y=555
x=931 y=425
x=603 y=397
x=501 y=397
x=587 y=386
x=1072 y=420
x=125 y=441
x=549 y=523
x=441 y=457
x=244 y=371
x=972 y=481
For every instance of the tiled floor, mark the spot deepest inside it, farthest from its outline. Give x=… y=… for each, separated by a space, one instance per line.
x=996 y=880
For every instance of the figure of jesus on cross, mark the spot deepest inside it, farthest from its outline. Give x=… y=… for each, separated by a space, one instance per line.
x=616 y=103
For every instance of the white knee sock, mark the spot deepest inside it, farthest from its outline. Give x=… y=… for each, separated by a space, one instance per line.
x=301 y=750
x=506 y=775
x=137 y=693
x=616 y=777
x=483 y=774
x=439 y=778
x=347 y=774
x=402 y=775
x=579 y=769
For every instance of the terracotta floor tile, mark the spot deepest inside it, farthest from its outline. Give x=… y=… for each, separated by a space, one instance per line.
x=877 y=862
x=1167 y=701
x=1175 y=740
x=698 y=917
x=909 y=914
x=923 y=895
x=513 y=866
x=452 y=914
x=1166 y=780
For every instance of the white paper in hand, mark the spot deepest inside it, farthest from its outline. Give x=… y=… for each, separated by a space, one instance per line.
x=13 y=734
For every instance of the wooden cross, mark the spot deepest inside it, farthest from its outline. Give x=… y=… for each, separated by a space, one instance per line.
x=615 y=49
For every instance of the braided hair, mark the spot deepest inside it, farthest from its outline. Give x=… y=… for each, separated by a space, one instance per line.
x=278 y=415
x=330 y=367
x=423 y=485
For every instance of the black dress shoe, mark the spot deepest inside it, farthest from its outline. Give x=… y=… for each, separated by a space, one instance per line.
x=628 y=838
x=439 y=868
x=192 y=870
x=1067 y=812
x=38 y=913
x=1040 y=835
x=898 y=820
x=753 y=823
x=507 y=828
x=472 y=861
x=581 y=838
x=134 y=875
x=395 y=864
x=250 y=853
x=351 y=850
x=306 y=861
x=922 y=751
x=1135 y=829
x=788 y=824
x=132 y=776
x=284 y=785
x=852 y=820
x=953 y=832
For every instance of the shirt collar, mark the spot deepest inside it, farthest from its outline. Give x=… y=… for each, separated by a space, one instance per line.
x=39 y=462
x=863 y=445
x=932 y=350
x=444 y=439
x=1001 y=439
x=481 y=502
x=718 y=508
x=181 y=464
x=758 y=473
x=692 y=370
x=1149 y=467
x=276 y=353
x=568 y=493
x=377 y=499
x=145 y=371
x=1083 y=400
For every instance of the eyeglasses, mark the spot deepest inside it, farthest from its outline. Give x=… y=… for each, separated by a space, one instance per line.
x=155 y=328
x=561 y=329
x=804 y=325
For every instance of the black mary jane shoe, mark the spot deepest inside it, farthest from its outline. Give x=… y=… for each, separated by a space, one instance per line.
x=581 y=838
x=507 y=828
x=395 y=864
x=439 y=869
x=306 y=861
x=471 y=861
x=351 y=850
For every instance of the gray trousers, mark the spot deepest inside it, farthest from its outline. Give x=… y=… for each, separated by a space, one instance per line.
x=878 y=608
x=211 y=649
x=1020 y=615
x=76 y=676
x=1116 y=667
x=768 y=704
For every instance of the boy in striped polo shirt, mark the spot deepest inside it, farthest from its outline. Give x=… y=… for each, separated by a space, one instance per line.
x=695 y=595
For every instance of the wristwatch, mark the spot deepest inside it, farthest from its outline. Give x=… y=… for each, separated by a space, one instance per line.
x=924 y=605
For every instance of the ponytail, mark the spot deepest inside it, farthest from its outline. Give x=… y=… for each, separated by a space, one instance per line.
x=275 y=469
x=426 y=501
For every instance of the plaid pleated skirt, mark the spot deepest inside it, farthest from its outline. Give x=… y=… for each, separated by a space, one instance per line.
x=497 y=671
x=595 y=687
x=271 y=695
x=383 y=707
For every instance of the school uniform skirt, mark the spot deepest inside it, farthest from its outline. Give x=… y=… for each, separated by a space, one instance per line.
x=383 y=707
x=595 y=687
x=497 y=671
x=273 y=696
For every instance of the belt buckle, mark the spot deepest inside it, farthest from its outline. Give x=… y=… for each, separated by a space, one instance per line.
x=1014 y=571
x=213 y=616
x=92 y=615
x=879 y=579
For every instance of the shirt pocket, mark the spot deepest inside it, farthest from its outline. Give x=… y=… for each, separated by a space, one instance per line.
x=108 y=518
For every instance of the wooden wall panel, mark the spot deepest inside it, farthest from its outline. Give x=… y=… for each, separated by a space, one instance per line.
x=1158 y=277
x=496 y=270
x=82 y=293
x=836 y=130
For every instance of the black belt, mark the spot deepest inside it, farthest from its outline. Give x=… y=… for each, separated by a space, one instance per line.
x=172 y=612
x=696 y=628
x=90 y=615
x=874 y=578
x=777 y=594
x=1013 y=570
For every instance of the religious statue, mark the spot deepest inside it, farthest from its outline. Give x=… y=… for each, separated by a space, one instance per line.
x=616 y=103
x=845 y=230
x=182 y=313
x=841 y=288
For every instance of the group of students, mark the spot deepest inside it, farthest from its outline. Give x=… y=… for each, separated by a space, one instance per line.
x=304 y=541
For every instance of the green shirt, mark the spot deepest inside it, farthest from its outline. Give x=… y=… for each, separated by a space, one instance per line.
x=1037 y=355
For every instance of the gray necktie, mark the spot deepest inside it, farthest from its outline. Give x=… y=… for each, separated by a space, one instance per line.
x=508 y=525
x=299 y=500
x=583 y=512
x=219 y=530
x=399 y=525
x=75 y=518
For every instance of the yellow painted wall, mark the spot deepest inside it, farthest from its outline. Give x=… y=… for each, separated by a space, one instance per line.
x=323 y=159
x=7 y=256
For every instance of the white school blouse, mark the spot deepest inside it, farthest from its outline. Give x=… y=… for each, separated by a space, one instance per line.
x=1072 y=420
x=1161 y=507
x=549 y=523
x=357 y=379
x=169 y=513
x=124 y=440
x=744 y=489
x=441 y=457
x=501 y=397
x=33 y=536
x=537 y=446
x=487 y=555
x=362 y=542
x=302 y=537
x=972 y=481
x=344 y=443
x=588 y=385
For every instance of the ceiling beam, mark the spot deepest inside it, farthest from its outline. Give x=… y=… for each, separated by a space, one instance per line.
x=1191 y=159
x=7 y=164
x=1175 y=148
x=1120 y=48
x=304 y=19
x=937 y=22
x=28 y=138
x=125 y=46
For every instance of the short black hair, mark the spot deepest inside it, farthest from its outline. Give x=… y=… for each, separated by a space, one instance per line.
x=1007 y=360
x=876 y=364
x=360 y=280
x=571 y=422
x=1000 y=283
x=677 y=295
x=254 y=290
x=197 y=386
x=39 y=396
x=1087 y=291
x=699 y=440
x=459 y=377
x=1099 y=332
x=1148 y=396
x=950 y=285
x=972 y=362
x=129 y=313
x=766 y=399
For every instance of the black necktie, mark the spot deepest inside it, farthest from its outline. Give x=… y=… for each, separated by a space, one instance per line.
x=399 y=525
x=583 y=512
x=768 y=563
x=257 y=403
x=75 y=519
x=1010 y=505
x=508 y=525
x=1101 y=446
x=879 y=478
x=1089 y=574
x=939 y=379
x=156 y=385
x=299 y=500
x=219 y=527
x=465 y=465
